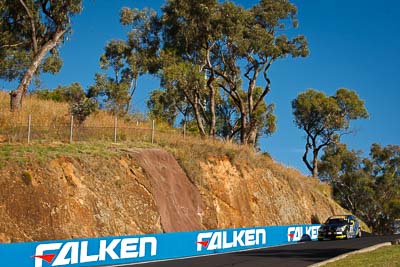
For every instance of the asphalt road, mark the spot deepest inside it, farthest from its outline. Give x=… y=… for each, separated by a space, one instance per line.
x=302 y=254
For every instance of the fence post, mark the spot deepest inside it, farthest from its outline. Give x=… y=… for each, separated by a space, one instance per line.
x=152 y=133
x=29 y=128
x=184 y=129
x=71 y=130
x=115 y=129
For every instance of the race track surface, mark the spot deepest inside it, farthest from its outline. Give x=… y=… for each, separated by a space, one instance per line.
x=302 y=254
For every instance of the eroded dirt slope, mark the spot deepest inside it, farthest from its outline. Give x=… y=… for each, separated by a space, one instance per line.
x=238 y=196
x=146 y=191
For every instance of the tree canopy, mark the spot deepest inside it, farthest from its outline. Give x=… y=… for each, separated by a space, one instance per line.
x=231 y=48
x=127 y=60
x=31 y=32
x=368 y=187
x=324 y=119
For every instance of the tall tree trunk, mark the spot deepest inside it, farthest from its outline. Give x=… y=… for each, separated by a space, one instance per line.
x=315 y=164
x=243 y=129
x=211 y=88
x=213 y=121
x=251 y=128
x=305 y=160
x=15 y=100
x=198 y=117
x=17 y=95
x=252 y=134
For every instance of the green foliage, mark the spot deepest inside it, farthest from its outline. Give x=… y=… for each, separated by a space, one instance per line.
x=263 y=116
x=31 y=32
x=388 y=256
x=71 y=93
x=27 y=177
x=81 y=106
x=114 y=95
x=226 y=42
x=185 y=87
x=127 y=59
x=324 y=118
x=367 y=187
x=53 y=63
x=342 y=168
x=161 y=107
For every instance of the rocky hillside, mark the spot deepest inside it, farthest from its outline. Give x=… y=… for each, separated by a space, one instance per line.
x=68 y=191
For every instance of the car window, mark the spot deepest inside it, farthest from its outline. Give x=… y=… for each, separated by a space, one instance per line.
x=335 y=221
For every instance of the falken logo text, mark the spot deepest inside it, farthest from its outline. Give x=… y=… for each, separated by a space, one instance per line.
x=296 y=233
x=225 y=239
x=59 y=254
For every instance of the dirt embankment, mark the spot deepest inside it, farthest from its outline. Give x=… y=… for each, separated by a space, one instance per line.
x=178 y=201
x=146 y=191
x=237 y=196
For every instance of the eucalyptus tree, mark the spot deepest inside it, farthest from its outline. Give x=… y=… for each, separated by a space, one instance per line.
x=253 y=39
x=368 y=187
x=184 y=80
x=229 y=44
x=343 y=169
x=161 y=106
x=128 y=59
x=191 y=29
x=383 y=168
x=118 y=88
x=31 y=32
x=324 y=119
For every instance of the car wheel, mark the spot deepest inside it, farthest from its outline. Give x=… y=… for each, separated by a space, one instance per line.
x=359 y=233
x=348 y=236
x=320 y=239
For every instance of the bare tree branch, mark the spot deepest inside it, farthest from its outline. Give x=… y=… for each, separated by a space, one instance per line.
x=305 y=160
x=11 y=45
x=33 y=27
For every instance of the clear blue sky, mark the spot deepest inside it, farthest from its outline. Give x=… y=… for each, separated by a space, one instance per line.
x=354 y=44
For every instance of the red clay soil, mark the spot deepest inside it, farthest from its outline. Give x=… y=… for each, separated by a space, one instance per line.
x=179 y=202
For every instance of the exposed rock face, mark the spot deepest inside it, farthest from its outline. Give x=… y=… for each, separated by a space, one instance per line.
x=69 y=198
x=178 y=201
x=146 y=191
x=237 y=196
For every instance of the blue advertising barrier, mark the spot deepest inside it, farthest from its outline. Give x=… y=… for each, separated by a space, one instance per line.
x=145 y=248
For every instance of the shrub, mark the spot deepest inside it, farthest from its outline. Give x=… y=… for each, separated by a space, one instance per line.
x=82 y=109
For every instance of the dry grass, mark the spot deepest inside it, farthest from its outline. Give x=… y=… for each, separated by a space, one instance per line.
x=48 y=112
x=45 y=112
x=50 y=138
x=386 y=256
x=51 y=123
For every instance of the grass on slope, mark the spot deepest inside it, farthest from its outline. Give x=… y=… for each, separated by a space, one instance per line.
x=386 y=256
x=42 y=153
x=51 y=136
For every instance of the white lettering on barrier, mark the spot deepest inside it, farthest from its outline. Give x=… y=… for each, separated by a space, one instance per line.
x=237 y=238
x=84 y=255
x=224 y=240
x=312 y=231
x=62 y=258
x=129 y=248
x=104 y=249
x=296 y=233
x=77 y=252
x=42 y=248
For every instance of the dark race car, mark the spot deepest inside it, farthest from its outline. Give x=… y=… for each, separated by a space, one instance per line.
x=340 y=227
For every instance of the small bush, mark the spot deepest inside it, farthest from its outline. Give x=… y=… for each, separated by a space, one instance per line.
x=27 y=177
x=82 y=109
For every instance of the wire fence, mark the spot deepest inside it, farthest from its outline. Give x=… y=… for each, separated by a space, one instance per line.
x=41 y=130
